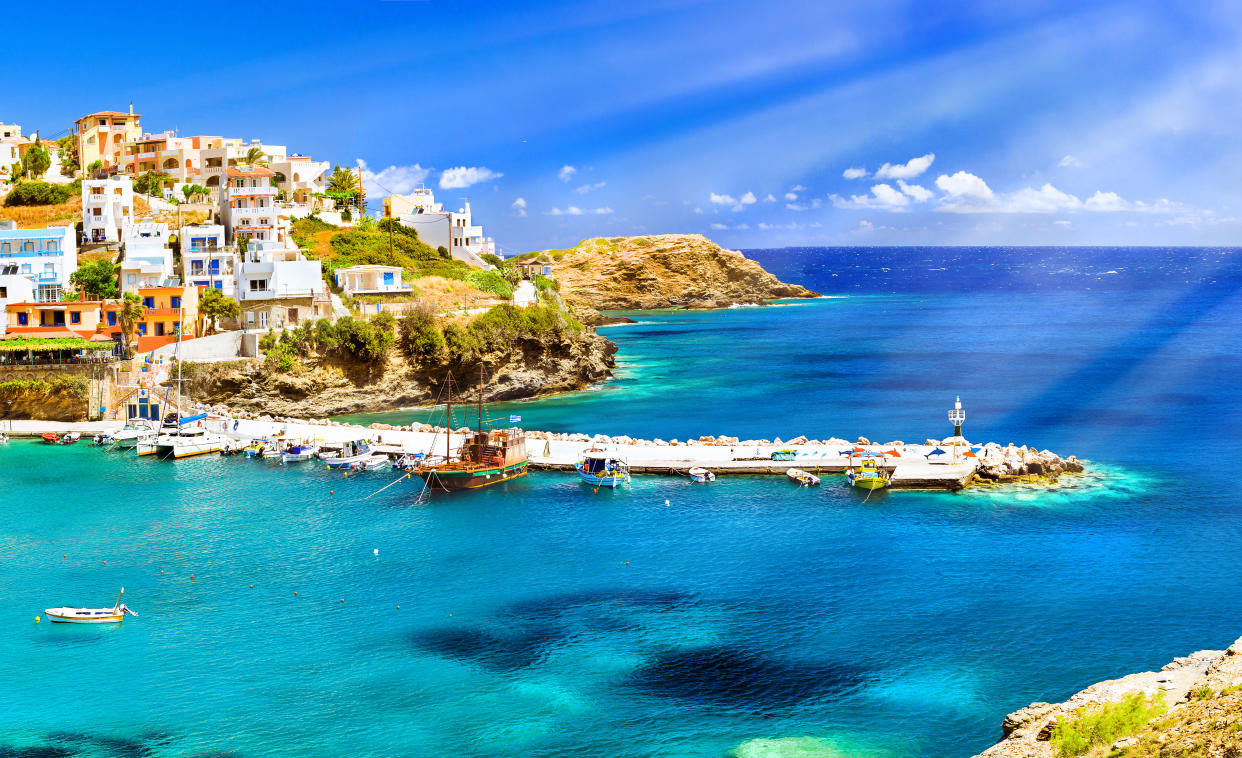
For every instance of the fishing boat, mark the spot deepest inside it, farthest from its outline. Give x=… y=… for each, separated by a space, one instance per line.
x=802 y=478
x=700 y=474
x=189 y=441
x=867 y=473
x=351 y=453
x=68 y=615
x=408 y=462
x=373 y=462
x=128 y=436
x=235 y=447
x=599 y=468
x=61 y=438
x=299 y=451
x=258 y=447
x=487 y=457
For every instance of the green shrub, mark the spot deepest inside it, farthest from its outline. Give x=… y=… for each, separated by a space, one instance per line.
x=546 y=283
x=38 y=193
x=421 y=339
x=459 y=342
x=362 y=341
x=491 y=282
x=1105 y=724
x=384 y=320
x=281 y=357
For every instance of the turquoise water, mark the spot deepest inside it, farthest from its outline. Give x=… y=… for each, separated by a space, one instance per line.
x=667 y=620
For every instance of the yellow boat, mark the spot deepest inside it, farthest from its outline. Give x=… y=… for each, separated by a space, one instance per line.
x=867 y=474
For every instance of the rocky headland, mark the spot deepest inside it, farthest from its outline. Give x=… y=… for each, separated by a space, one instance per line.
x=659 y=271
x=1190 y=707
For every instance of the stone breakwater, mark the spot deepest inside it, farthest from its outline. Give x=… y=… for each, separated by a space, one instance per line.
x=1202 y=690
x=937 y=464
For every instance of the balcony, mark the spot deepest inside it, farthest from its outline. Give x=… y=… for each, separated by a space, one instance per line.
x=150 y=154
x=252 y=191
x=272 y=293
x=48 y=279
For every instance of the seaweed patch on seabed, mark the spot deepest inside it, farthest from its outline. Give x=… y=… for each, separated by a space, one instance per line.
x=501 y=651
x=736 y=678
x=64 y=744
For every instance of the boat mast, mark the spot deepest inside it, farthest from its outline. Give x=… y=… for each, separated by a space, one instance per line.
x=448 y=421
x=480 y=399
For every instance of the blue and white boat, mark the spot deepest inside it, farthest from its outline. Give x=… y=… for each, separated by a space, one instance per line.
x=351 y=453
x=599 y=468
x=408 y=462
x=299 y=451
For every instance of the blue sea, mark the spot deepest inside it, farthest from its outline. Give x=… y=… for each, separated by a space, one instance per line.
x=290 y=611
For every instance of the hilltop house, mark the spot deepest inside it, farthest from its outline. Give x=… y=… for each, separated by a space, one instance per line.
x=278 y=287
x=440 y=228
x=47 y=257
x=205 y=259
x=102 y=137
x=371 y=280
x=166 y=311
x=107 y=206
x=248 y=204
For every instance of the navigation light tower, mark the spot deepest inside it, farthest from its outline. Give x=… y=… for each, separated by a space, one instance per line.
x=956 y=417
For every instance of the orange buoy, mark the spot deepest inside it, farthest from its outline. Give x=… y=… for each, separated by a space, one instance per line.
x=398 y=607
x=295 y=592
x=191 y=576
x=161 y=571
x=342 y=600
x=627 y=563
x=331 y=492
x=252 y=586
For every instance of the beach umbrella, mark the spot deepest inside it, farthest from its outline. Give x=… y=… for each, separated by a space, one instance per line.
x=937 y=451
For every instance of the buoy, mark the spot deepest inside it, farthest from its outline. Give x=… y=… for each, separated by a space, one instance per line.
x=161 y=571
x=342 y=600
x=398 y=607
x=375 y=551
x=331 y=492
x=191 y=576
x=627 y=563
x=37 y=619
x=105 y=563
x=295 y=592
x=666 y=502
x=252 y=586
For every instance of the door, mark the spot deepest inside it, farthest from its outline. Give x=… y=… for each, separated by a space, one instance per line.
x=262 y=319
x=388 y=279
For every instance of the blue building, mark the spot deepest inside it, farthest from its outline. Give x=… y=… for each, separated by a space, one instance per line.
x=47 y=257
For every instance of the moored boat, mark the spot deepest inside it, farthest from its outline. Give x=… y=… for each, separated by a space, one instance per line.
x=802 y=478
x=189 y=441
x=599 y=468
x=700 y=474
x=70 y=615
x=487 y=457
x=300 y=451
x=351 y=453
x=61 y=438
x=408 y=462
x=867 y=474
x=374 y=462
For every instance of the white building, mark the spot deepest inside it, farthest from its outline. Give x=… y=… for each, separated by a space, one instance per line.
x=371 y=280
x=206 y=260
x=248 y=204
x=300 y=178
x=11 y=140
x=224 y=154
x=440 y=228
x=148 y=259
x=278 y=287
x=14 y=288
x=45 y=257
x=107 y=206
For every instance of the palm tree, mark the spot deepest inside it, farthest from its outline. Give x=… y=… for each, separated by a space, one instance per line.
x=187 y=190
x=342 y=180
x=254 y=157
x=130 y=313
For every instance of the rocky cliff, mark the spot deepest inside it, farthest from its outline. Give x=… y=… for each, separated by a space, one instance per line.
x=58 y=398
x=1203 y=695
x=661 y=271
x=323 y=387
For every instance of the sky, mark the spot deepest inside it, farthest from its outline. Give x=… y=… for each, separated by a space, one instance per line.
x=757 y=124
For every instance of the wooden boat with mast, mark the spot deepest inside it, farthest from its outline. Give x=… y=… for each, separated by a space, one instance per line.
x=487 y=457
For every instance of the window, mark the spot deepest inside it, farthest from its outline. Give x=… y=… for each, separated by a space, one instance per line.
x=28 y=246
x=219 y=286
x=159 y=328
x=175 y=302
x=52 y=246
x=97 y=212
x=200 y=283
x=22 y=320
x=111 y=318
x=142 y=329
x=25 y=268
x=49 y=269
x=6 y=247
x=148 y=302
x=258 y=284
x=4 y=293
x=97 y=190
x=75 y=317
x=131 y=279
x=196 y=267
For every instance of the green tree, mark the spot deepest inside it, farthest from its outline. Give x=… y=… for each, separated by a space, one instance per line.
x=99 y=279
x=215 y=305
x=129 y=314
x=254 y=157
x=421 y=339
x=37 y=160
x=188 y=191
x=342 y=180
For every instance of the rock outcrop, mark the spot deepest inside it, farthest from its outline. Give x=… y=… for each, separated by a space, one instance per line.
x=661 y=271
x=1011 y=463
x=558 y=363
x=1203 y=691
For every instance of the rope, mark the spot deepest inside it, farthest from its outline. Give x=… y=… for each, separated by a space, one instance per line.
x=386 y=486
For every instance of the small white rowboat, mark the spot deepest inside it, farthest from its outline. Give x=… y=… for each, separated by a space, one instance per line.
x=114 y=615
x=700 y=474
x=802 y=478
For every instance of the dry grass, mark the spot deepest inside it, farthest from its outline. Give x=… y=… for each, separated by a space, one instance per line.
x=446 y=295
x=37 y=216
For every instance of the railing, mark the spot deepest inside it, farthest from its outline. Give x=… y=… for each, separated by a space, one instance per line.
x=272 y=292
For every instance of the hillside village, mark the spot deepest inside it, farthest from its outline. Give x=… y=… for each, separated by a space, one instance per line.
x=119 y=247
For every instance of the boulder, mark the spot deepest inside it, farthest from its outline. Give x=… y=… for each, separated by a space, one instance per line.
x=863 y=441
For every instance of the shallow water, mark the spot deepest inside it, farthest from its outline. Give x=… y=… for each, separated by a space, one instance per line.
x=670 y=619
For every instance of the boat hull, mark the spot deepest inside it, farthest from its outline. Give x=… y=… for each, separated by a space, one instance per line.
x=455 y=481
x=59 y=618
x=611 y=482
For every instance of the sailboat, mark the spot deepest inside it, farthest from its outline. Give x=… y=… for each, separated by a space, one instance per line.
x=182 y=437
x=487 y=457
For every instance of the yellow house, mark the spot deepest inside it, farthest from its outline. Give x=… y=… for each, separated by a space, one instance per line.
x=102 y=137
x=165 y=311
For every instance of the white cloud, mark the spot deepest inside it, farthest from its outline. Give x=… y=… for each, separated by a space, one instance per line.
x=964 y=184
x=747 y=199
x=519 y=205
x=882 y=197
x=574 y=210
x=791 y=196
x=1046 y=199
x=718 y=225
x=589 y=188
x=1070 y=161
x=797 y=188
x=466 y=176
x=394 y=180
x=737 y=203
x=770 y=198
x=907 y=170
x=1106 y=201
x=796 y=206
x=864 y=227
x=854 y=173
x=566 y=173
x=919 y=193
x=722 y=199
x=1061 y=222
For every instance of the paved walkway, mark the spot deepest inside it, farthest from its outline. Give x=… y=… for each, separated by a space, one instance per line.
x=525 y=294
